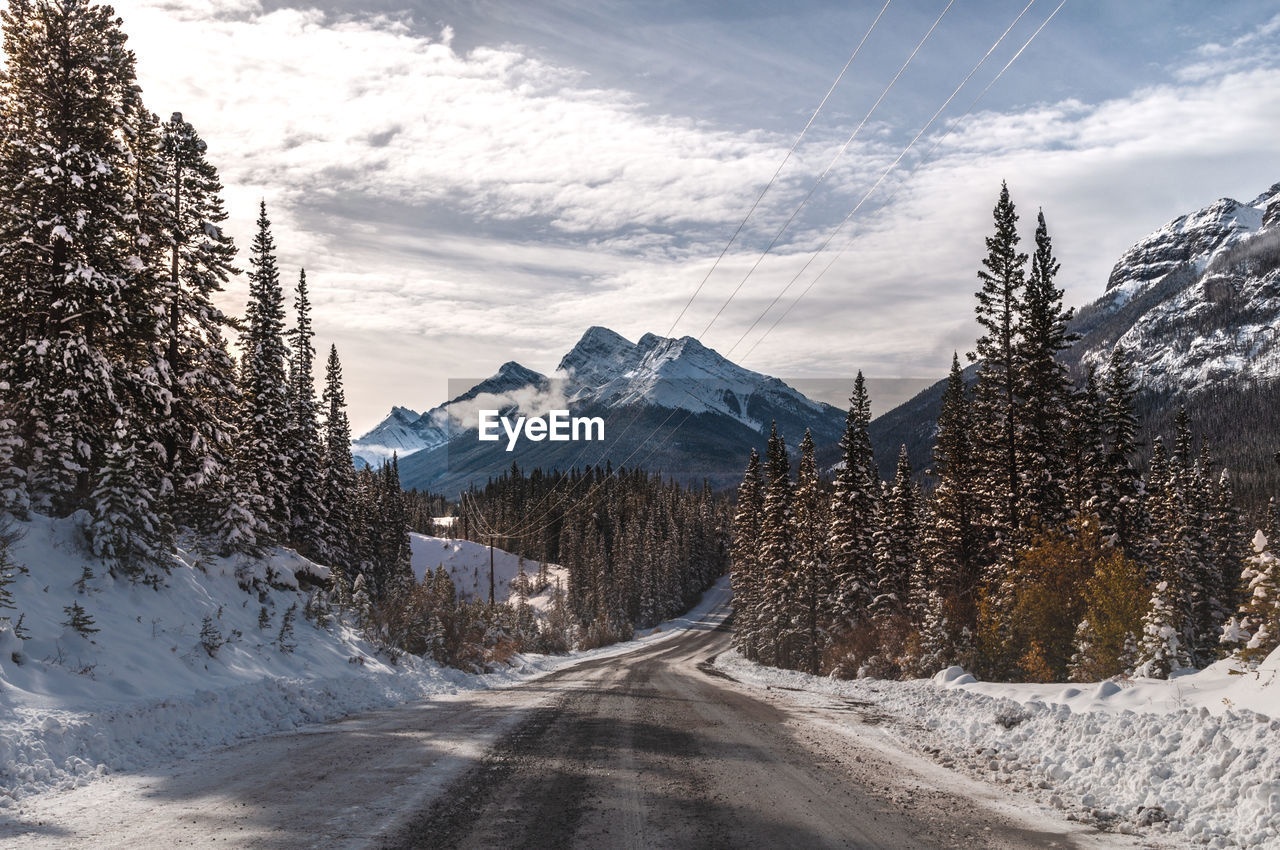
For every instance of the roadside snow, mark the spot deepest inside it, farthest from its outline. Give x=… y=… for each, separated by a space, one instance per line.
x=143 y=690
x=1189 y=758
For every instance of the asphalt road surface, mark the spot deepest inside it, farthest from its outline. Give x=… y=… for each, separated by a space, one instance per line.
x=653 y=748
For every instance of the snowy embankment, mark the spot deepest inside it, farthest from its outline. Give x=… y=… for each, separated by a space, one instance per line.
x=143 y=689
x=1191 y=758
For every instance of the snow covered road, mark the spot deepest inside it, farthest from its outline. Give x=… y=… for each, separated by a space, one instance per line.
x=651 y=747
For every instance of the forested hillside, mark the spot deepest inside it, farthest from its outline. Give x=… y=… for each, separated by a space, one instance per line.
x=1041 y=554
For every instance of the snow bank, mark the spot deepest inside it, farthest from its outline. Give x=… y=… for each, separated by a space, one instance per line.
x=1182 y=757
x=143 y=689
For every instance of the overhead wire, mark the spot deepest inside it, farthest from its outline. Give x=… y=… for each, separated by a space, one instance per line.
x=530 y=526
x=923 y=129
x=823 y=176
x=795 y=145
x=818 y=182
x=781 y=165
x=954 y=124
x=733 y=238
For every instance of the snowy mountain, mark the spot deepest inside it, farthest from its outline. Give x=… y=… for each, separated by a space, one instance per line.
x=672 y=405
x=1198 y=301
x=1197 y=306
x=405 y=431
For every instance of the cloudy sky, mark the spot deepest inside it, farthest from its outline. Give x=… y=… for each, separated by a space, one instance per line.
x=474 y=181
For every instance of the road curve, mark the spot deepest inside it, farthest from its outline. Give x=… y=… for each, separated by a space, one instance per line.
x=657 y=749
x=651 y=748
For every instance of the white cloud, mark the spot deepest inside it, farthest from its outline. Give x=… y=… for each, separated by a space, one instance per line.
x=456 y=210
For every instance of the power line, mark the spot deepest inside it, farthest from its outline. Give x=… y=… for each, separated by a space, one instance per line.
x=831 y=164
x=781 y=165
x=825 y=171
x=527 y=527
x=916 y=167
x=883 y=175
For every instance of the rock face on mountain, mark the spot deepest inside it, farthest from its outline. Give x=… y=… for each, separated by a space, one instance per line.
x=1197 y=303
x=669 y=405
x=1197 y=306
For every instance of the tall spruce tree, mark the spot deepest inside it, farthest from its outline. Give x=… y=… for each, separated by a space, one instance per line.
x=192 y=362
x=1232 y=551
x=339 y=482
x=264 y=449
x=854 y=506
x=953 y=539
x=897 y=544
x=1086 y=454
x=1044 y=393
x=777 y=552
x=997 y=416
x=746 y=560
x=1120 y=503
x=1167 y=643
x=306 y=486
x=814 y=585
x=67 y=265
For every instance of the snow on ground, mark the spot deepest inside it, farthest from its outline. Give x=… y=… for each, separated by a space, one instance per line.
x=142 y=690
x=1192 y=759
x=468 y=564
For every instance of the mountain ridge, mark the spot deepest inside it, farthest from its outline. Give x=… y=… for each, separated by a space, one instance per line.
x=638 y=388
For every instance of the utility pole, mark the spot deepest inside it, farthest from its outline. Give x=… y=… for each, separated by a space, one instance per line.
x=490 y=570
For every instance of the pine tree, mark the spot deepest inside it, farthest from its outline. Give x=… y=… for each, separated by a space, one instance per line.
x=1162 y=650
x=1086 y=470
x=854 y=506
x=997 y=416
x=265 y=419
x=1254 y=631
x=952 y=541
x=211 y=640
x=191 y=360
x=1230 y=554
x=284 y=638
x=1120 y=508
x=127 y=531
x=1044 y=392
x=746 y=561
x=1166 y=644
x=67 y=268
x=339 y=482
x=814 y=585
x=777 y=552
x=306 y=502
x=897 y=541
x=79 y=619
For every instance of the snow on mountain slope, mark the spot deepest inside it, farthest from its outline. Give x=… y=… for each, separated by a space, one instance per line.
x=1189 y=240
x=401 y=433
x=468 y=566
x=1198 y=301
x=405 y=431
x=680 y=374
